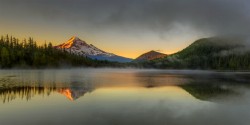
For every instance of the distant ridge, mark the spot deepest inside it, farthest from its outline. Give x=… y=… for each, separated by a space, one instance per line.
x=151 y=55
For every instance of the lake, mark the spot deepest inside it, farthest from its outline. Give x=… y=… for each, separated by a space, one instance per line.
x=124 y=97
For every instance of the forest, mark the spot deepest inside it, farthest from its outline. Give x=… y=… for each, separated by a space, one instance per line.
x=207 y=53
x=15 y=53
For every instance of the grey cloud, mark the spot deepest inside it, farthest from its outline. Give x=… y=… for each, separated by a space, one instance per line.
x=217 y=16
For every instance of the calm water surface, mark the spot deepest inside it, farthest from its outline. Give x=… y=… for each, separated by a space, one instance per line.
x=124 y=97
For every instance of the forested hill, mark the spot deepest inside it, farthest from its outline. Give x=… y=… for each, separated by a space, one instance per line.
x=208 y=53
x=27 y=54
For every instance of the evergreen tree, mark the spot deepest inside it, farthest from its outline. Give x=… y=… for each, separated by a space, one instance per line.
x=27 y=54
x=5 y=57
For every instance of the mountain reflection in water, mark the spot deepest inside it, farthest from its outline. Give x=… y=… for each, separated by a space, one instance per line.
x=200 y=86
x=124 y=96
x=27 y=92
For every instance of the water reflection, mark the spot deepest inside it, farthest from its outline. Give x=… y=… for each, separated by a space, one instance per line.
x=8 y=94
x=106 y=97
x=205 y=86
x=75 y=92
x=27 y=92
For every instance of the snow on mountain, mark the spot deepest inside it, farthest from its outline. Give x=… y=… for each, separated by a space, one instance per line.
x=80 y=47
x=77 y=46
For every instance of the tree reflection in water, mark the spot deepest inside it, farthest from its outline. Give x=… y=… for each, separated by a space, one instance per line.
x=12 y=89
x=204 y=87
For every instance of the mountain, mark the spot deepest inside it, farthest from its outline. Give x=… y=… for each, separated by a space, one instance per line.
x=73 y=93
x=79 y=47
x=222 y=53
x=151 y=55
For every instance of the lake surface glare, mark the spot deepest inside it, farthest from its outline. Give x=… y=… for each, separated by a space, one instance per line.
x=124 y=97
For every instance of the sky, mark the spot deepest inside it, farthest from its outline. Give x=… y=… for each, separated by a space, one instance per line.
x=125 y=27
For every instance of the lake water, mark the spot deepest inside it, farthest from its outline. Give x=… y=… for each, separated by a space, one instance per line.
x=124 y=97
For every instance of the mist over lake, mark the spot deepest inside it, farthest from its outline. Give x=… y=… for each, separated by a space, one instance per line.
x=124 y=96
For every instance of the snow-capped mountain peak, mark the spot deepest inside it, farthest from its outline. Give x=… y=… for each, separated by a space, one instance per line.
x=73 y=40
x=77 y=46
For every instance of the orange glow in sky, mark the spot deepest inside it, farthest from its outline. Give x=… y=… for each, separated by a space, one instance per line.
x=124 y=41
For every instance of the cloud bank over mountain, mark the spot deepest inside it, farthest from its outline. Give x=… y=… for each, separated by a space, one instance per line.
x=158 y=15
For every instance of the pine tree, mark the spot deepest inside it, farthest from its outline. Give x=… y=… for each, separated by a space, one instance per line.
x=5 y=57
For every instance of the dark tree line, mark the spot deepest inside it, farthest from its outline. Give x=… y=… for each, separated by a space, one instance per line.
x=203 y=54
x=15 y=53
